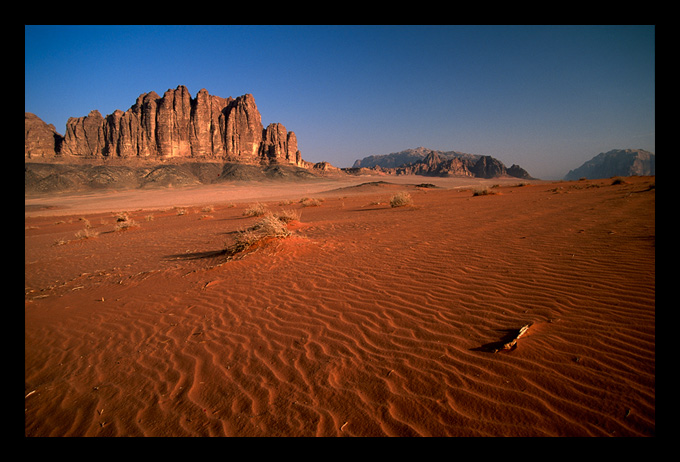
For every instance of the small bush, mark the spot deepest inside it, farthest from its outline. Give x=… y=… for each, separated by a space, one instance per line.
x=309 y=202
x=86 y=233
x=124 y=225
x=401 y=199
x=483 y=192
x=255 y=210
x=124 y=222
x=122 y=216
x=287 y=216
x=270 y=226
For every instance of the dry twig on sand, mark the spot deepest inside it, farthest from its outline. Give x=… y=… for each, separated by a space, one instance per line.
x=510 y=344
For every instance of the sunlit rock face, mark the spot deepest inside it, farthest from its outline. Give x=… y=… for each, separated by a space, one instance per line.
x=174 y=126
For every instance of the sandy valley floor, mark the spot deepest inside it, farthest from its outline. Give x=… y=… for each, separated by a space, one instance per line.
x=368 y=320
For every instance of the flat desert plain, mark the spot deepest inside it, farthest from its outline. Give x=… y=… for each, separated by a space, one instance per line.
x=367 y=320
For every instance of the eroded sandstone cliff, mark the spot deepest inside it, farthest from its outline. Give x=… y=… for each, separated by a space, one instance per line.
x=174 y=126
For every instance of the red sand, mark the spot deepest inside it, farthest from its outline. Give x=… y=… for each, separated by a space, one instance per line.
x=368 y=321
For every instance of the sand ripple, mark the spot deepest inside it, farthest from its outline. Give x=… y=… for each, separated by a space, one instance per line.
x=368 y=323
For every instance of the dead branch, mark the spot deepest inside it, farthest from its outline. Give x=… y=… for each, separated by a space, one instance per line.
x=509 y=345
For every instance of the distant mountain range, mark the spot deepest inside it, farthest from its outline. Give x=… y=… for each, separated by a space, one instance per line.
x=617 y=162
x=428 y=162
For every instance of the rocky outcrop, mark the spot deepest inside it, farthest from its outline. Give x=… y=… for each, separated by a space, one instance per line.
x=435 y=165
x=42 y=140
x=174 y=126
x=488 y=167
x=279 y=144
x=617 y=162
x=84 y=136
x=244 y=130
x=440 y=163
x=408 y=156
x=518 y=172
x=422 y=161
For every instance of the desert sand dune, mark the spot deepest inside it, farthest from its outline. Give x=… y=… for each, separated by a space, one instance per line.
x=369 y=320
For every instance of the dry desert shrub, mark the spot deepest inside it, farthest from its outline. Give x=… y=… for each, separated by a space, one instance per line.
x=401 y=199
x=270 y=226
x=124 y=222
x=86 y=233
x=288 y=215
x=255 y=210
x=483 y=192
x=309 y=202
x=122 y=216
x=125 y=225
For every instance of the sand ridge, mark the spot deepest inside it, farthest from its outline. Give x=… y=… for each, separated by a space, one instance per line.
x=368 y=321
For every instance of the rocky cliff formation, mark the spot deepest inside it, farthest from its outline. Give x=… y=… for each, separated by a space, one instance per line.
x=422 y=161
x=42 y=140
x=174 y=126
x=408 y=156
x=617 y=162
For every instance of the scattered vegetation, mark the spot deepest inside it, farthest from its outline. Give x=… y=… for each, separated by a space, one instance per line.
x=401 y=199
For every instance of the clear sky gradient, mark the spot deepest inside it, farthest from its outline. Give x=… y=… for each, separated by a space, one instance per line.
x=545 y=97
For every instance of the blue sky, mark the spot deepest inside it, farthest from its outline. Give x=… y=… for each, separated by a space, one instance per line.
x=545 y=97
